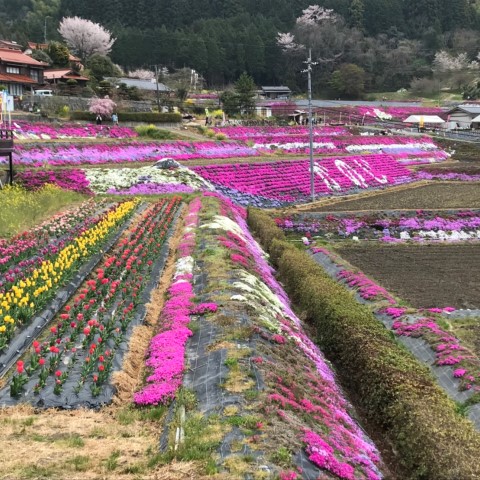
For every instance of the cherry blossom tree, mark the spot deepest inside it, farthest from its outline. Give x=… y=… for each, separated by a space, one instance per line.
x=102 y=106
x=455 y=71
x=142 y=74
x=314 y=15
x=85 y=37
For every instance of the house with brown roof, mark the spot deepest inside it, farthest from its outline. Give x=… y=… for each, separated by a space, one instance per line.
x=19 y=73
x=57 y=75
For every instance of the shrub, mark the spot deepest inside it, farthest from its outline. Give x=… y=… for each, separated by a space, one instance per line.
x=396 y=391
x=147 y=117
x=220 y=136
x=151 y=131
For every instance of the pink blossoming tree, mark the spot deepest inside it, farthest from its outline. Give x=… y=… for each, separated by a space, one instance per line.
x=85 y=37
x=102 y=106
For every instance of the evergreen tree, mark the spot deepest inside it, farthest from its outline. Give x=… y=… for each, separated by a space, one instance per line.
x=245 y=89
x=356 y=14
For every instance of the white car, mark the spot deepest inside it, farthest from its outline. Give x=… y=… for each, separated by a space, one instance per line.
x=44 y=93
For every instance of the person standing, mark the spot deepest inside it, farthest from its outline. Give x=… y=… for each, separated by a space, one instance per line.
x=99 y=119
x=115 y=119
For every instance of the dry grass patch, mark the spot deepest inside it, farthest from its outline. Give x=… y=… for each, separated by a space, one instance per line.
x=86 y=444
x=127 y=380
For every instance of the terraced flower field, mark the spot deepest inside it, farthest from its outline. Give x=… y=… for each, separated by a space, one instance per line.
x=159 y=330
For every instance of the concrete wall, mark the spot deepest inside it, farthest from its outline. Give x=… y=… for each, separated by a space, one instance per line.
x=55 y=102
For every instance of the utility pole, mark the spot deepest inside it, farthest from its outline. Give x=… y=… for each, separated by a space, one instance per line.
x=308 y=70
x=45 y=29
x=156 y=82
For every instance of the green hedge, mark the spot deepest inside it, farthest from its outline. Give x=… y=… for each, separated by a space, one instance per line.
x=148 y=117
x=396 y=391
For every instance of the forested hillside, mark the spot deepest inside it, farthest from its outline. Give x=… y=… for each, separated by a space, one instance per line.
x=392 y=41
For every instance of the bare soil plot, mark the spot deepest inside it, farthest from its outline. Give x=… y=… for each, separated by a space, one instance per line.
x=423 y=275
x=433 y=196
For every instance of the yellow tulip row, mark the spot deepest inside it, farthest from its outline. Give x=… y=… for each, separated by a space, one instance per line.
x=18 y=303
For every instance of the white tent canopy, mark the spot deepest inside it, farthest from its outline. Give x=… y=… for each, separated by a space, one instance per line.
x=476 y=119
x=424 y=119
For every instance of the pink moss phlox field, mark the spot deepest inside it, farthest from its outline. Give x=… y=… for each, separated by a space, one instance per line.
x=417 y=226
x=326 y=404
x=367 y=289
x=290 y=181
x=166 y=353
x=203 y=308
x=73 y=179
x=67 y=130
x=448 y=350
x=128 y=152
x=271 y=131
x=463 y=177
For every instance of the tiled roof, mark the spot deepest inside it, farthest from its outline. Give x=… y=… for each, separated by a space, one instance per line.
x=5 y=77
x=37 y=46
x=473 y=109
x=141 y=84
x=62 y=73
x=276 y=89
x=13 y=56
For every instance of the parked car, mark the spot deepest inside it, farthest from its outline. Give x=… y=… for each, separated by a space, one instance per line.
x=44 y=93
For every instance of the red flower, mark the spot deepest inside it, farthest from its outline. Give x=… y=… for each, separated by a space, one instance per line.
x=95 y=378
x=64 y=316
x=67 y=308
x=58 y=373
x=41 y=361
x=100 y=340
x=101 y=368
x=36 y=344
x=87 y=359
x=20 y=368
x=73 y=324
x=101 y=358
x=53 y=329
x=80 y=316
x=86 y=331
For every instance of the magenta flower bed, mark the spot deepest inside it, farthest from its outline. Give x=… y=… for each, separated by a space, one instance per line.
x=408 y=150
x=289 y=181
x=367 y=289
x=400 y=113
x=25 y=130
x=242 y=133
x=448 y=350
x=463 y=177
x=166 y=353
x=416 y=226
x=128 y=152
x=67 y=179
